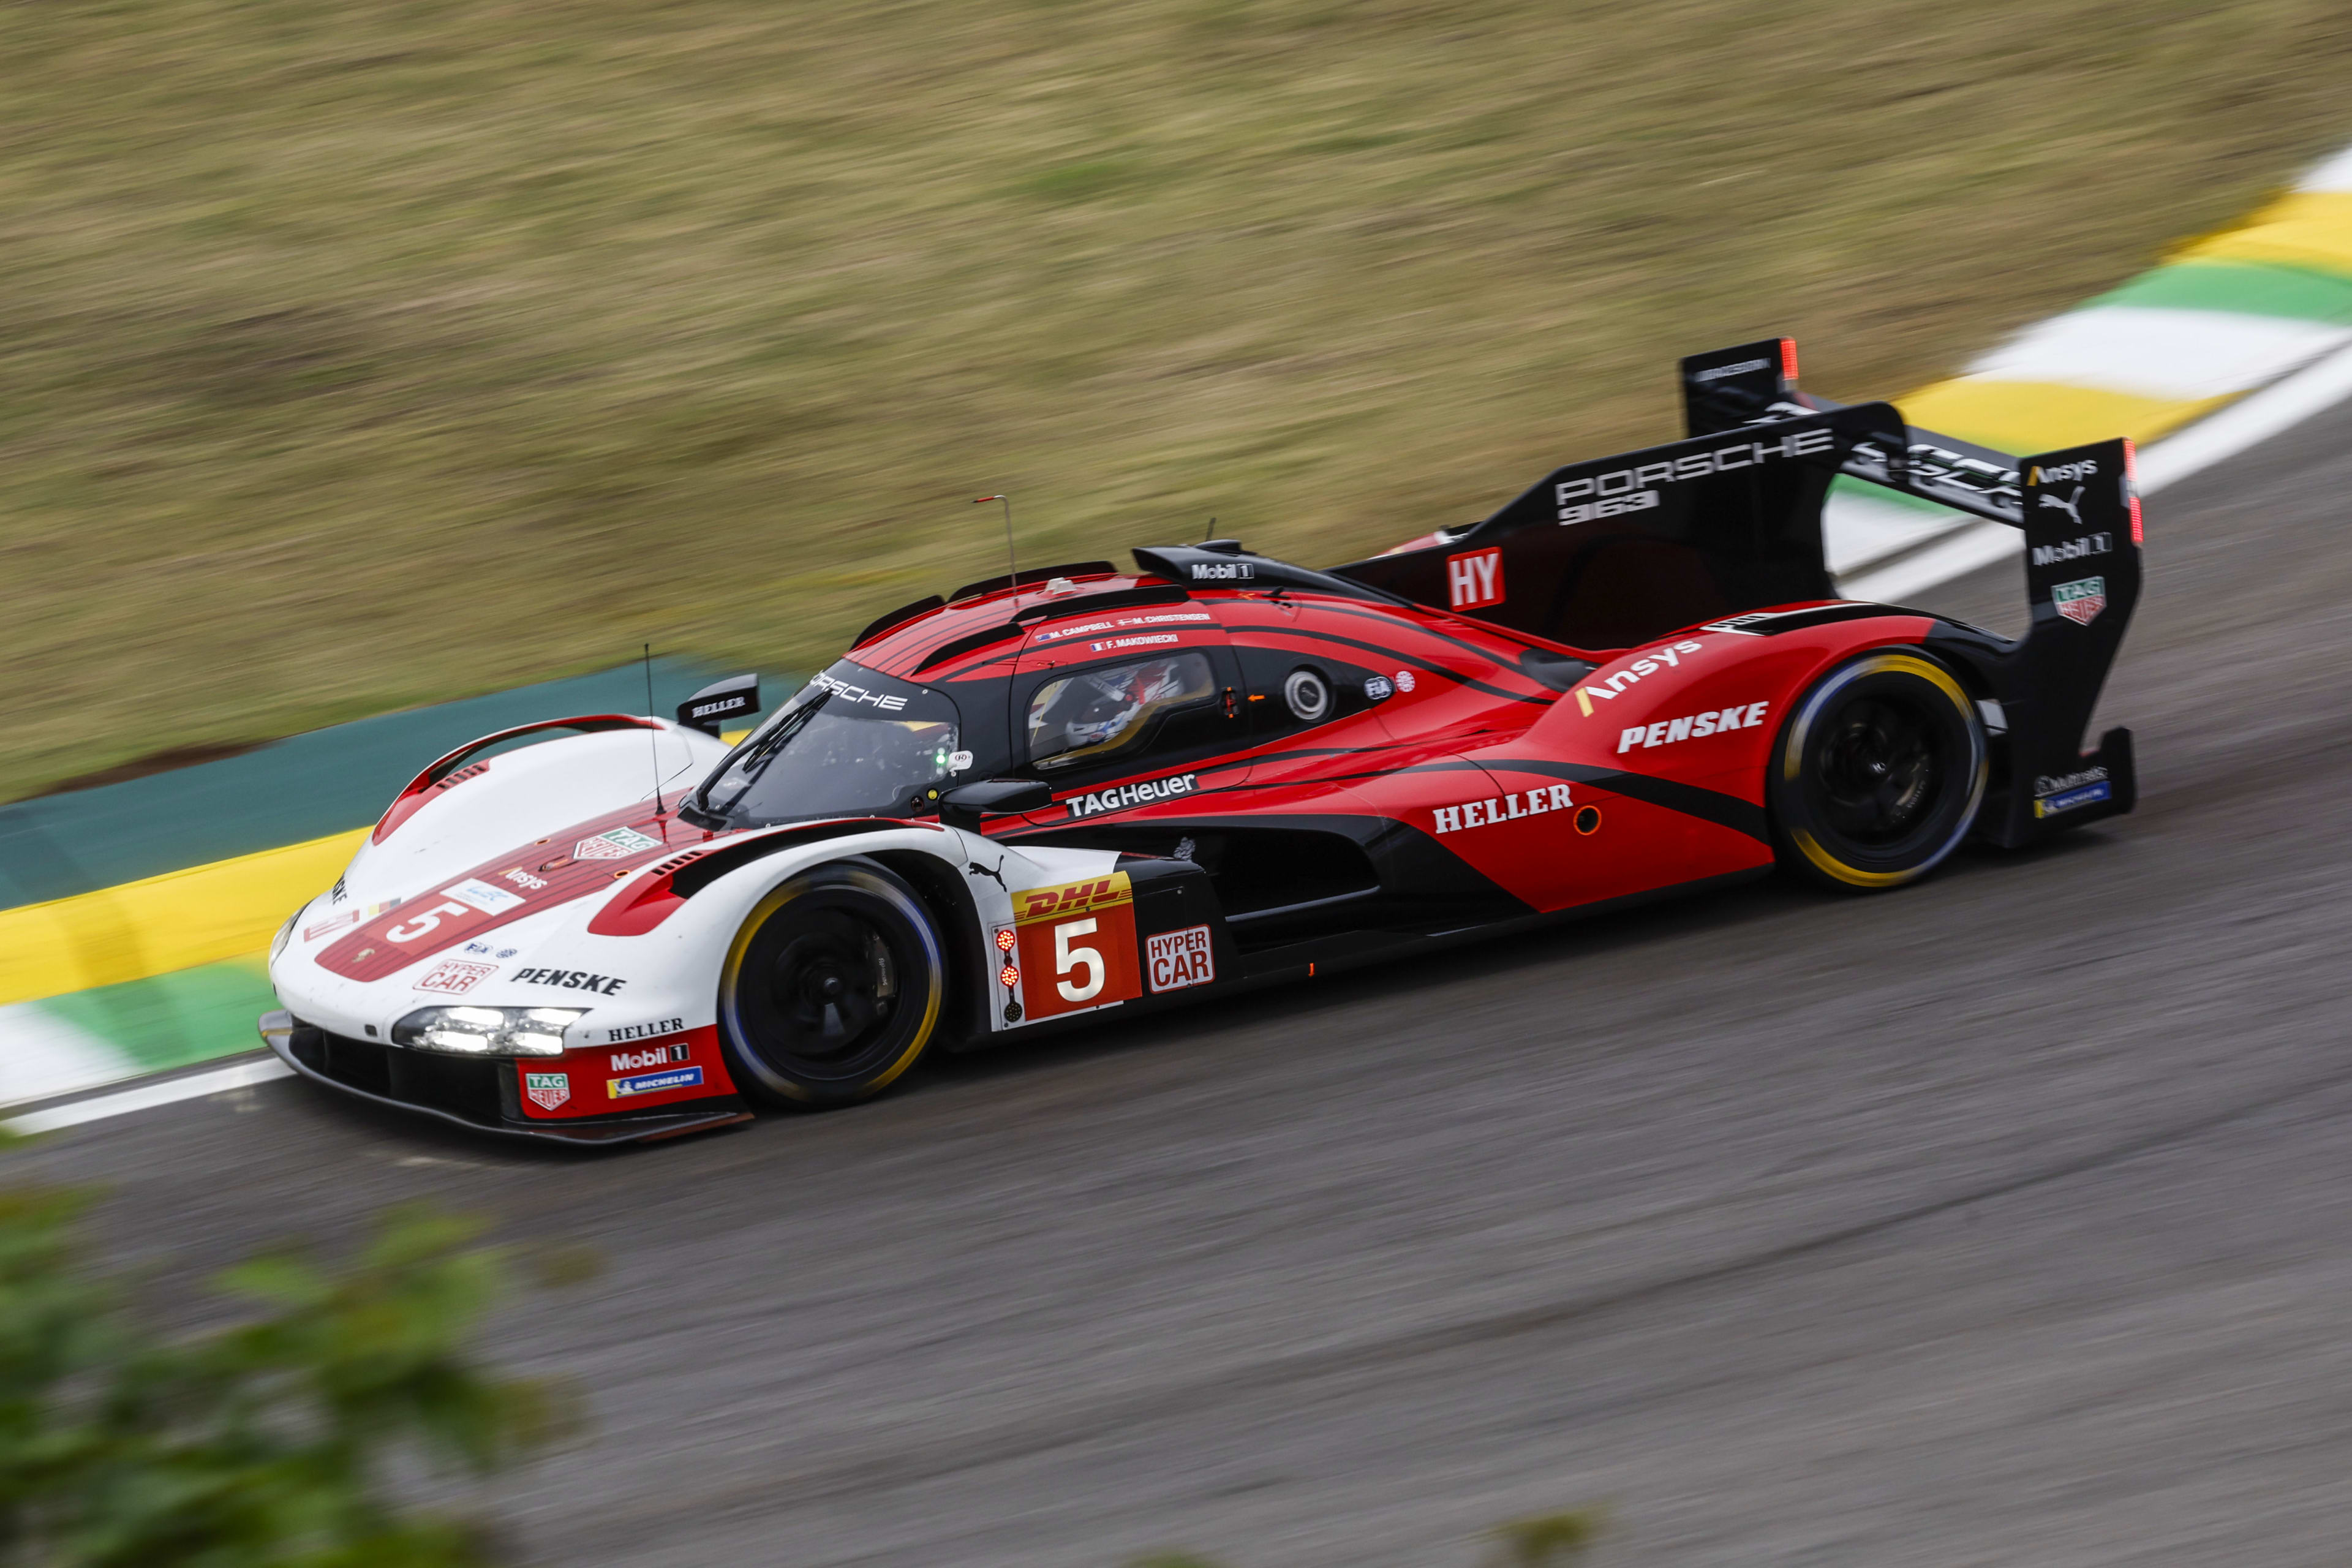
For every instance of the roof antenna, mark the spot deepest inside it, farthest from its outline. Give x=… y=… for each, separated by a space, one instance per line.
x=1209 y=532
x=1010 y=561
x=653 y=734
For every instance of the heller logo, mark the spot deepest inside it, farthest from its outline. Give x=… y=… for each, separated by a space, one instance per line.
x=1124 y=795
x=644 y=1031
x=1474 y=580
x=651 y=1056
x=1666 y=733
x=2080 y=601
x=1502 y=808
x=547 y=1090
x=1176 y=959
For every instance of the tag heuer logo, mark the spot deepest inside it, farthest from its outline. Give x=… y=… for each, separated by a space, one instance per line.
x=548 y=1089
x=618 y=844
x=2080 y=601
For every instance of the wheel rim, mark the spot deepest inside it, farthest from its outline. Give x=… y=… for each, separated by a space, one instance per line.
x=1883 y=769
x=1880 y=769
x=832 y=990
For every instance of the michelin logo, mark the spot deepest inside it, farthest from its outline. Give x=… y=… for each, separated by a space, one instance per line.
x=653 y=1083
x=2070 y=791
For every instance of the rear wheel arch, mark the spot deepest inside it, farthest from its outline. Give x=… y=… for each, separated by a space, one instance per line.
x=1910 y=716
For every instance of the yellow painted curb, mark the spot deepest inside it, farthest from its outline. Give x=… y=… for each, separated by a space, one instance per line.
x=2310 y=228
x=229 y=909
x=2042 y=416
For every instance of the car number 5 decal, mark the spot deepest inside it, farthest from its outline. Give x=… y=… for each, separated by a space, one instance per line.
x=410 y=929
x=1077 y=944
x=1066 y=958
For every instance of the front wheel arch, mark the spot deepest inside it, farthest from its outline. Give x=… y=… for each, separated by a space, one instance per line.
x=832 y=987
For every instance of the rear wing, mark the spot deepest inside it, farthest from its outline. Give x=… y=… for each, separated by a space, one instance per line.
x=1620 y=551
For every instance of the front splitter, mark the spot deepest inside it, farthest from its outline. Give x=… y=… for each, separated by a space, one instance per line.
x=277 y=1032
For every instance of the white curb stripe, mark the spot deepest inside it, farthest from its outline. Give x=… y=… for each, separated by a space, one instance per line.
x=2172 y=355
x=42 y=1057
x=148 y=1096
x=2336 y=174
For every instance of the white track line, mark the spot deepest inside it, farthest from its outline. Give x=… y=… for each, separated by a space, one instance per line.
x=2275 y=410
x=149 y=1095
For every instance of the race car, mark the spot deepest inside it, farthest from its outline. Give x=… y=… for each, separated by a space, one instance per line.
x=1082 y=789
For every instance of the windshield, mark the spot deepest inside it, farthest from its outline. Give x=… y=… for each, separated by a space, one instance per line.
x=850 y=743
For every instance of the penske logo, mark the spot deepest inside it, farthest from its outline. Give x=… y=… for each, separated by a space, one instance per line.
x=1697 y=726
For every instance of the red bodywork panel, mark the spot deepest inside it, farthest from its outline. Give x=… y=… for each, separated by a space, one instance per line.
x=1645 y=772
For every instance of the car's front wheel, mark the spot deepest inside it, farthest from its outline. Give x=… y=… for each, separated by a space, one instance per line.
x=1879 y=774
x=832 y=988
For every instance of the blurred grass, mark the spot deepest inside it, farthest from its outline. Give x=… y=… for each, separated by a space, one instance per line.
x=353 y=357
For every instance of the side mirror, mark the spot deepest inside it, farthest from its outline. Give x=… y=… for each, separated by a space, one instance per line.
x=707 y=709
x=963 y=805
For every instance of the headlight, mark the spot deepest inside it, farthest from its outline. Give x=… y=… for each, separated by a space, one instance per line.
x=487 y=1031
x=285 y=935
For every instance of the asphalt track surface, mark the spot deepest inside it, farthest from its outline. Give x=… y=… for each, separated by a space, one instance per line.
x=2001 y=1220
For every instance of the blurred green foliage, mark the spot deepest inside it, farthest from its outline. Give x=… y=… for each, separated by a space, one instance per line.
x=272 y=1443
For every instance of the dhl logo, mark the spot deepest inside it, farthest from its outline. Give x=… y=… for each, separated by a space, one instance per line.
x=1071 y=898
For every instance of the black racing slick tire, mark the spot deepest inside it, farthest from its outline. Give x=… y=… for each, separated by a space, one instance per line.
x=1879 y=774
x=832 y=987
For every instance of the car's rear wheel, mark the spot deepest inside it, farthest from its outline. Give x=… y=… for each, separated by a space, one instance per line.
x=832 y=988
x=1879 y=774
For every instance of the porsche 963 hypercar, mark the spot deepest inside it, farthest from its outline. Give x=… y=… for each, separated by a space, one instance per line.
x=1082 y=788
